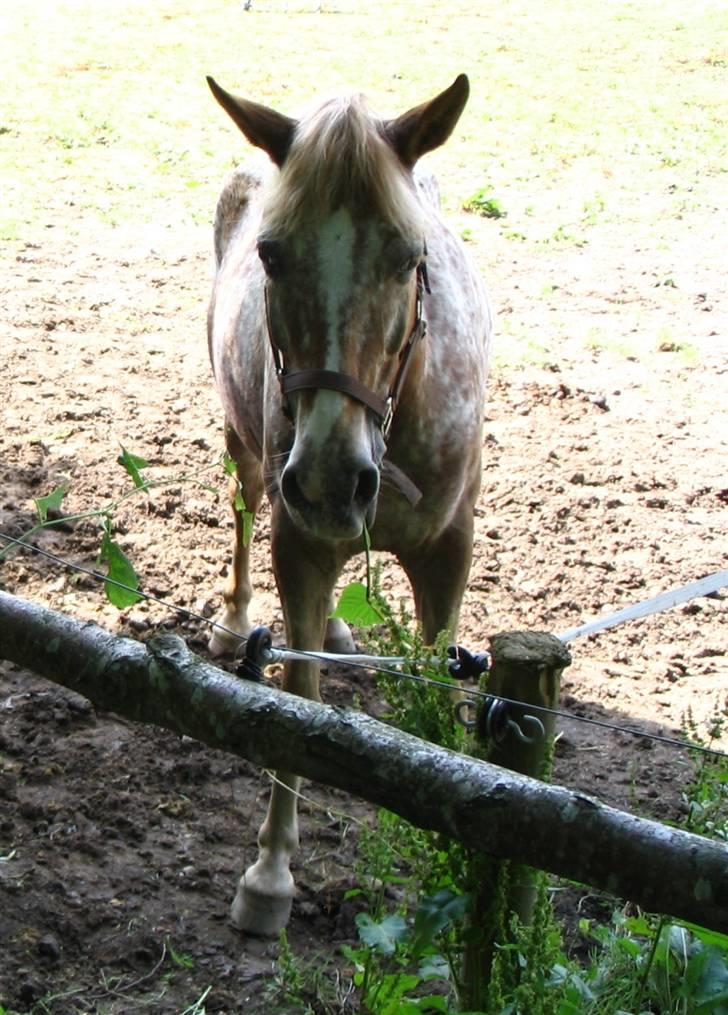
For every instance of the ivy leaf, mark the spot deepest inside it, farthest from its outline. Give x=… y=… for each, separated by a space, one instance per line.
x=51 y=502
x=435 y=913
x=121 y=579
x=434 y=967
x=433 y=1002
x=355 y=607
x=248 y=520
x=382 y=936
x=248 y=517
x=133 y=465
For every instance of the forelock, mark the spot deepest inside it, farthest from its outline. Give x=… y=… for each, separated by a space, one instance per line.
x=339 y=156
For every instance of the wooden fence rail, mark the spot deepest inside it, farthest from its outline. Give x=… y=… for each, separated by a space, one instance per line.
x=485 y=807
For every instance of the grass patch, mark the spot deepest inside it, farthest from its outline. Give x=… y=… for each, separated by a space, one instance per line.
x=566 y=104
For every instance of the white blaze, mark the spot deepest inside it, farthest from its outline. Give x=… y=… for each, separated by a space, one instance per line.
x=335 y=274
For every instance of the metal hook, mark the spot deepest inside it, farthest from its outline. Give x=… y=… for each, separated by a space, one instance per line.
x=497 y=723
x=459 y=708
x=532 y=720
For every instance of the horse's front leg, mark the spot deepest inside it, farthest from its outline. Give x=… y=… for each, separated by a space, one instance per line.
x=234 y=623
x=305 y=576
x=439 y=573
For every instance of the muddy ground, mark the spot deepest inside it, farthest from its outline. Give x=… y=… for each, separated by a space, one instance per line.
x=120 y=845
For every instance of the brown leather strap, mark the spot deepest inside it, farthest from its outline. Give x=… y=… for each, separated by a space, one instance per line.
x=416 y=335
x=333 y=381
x=393 y=475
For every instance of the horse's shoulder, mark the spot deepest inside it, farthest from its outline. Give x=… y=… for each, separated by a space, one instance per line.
x=241 y=187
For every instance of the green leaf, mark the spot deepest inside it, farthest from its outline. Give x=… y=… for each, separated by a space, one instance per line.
x=179 y=959
x=355 y=955
x=228 y=464
x=133 y=464
x=432 y=1002
x=638 y=925
x=708 y=937
x=248 y=522
x=355 y=607
x=483 y=203
x=390 y=992
x=248 y=517
x=51 y=502
x=434 y=913
x=434 y=967
x=121 y=580
x=239 y=505
x=382 y=936
x=711 y=989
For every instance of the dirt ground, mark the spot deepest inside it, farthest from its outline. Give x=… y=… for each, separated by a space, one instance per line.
x=603 y=485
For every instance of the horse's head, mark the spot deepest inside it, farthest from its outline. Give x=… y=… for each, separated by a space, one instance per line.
x=341 y=244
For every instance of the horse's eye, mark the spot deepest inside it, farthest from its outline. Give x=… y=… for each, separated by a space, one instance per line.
x=408 y=266
x=269 y=253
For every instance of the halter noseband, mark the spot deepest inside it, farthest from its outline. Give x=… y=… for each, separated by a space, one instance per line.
x=332 y=380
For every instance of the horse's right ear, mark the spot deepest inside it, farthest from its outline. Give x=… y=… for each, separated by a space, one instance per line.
x=263 y=127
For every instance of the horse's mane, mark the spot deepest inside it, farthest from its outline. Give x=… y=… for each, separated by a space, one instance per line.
x=339 y=156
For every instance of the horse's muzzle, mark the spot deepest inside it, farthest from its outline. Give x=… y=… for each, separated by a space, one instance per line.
x=333 y=505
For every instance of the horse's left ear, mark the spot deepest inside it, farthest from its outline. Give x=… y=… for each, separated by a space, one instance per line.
x=263 y=127
x=425 y=127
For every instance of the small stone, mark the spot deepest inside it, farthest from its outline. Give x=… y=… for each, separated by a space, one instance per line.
x=49 y=948
x=8 y=785
x=29 y=992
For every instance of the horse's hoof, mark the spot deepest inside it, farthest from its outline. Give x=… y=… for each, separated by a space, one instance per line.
x=222 y=644
x=262 y=915
x=338 y=637
x=225 y=639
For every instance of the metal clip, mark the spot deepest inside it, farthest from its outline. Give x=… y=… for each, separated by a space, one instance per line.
x=386 y=423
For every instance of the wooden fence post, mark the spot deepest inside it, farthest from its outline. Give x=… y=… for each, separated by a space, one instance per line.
x=526 y=667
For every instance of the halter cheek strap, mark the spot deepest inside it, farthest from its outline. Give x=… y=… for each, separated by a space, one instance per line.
x=332 y=380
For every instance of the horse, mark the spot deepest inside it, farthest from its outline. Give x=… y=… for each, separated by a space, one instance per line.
x=348 y=333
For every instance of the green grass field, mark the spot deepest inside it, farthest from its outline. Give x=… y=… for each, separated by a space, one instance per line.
x=578 y=110
x=594 y=128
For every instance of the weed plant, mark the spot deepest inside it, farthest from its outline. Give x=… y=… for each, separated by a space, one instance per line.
x=417 y=890
x=418 y=885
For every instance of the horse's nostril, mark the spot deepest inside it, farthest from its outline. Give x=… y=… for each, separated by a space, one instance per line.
x=291 y=489
x=367 y=486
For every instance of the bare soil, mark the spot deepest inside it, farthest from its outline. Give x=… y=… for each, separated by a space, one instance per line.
x=120 y=845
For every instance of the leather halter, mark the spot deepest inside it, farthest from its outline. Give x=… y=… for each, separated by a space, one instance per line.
x=332 y=380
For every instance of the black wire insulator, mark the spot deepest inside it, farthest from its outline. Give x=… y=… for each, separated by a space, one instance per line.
x=257 y=646
x=493 y=720
x=467 y=665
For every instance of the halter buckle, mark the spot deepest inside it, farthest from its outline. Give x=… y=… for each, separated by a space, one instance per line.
x=386 y=423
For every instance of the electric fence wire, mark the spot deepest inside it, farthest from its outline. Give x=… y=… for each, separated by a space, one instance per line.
x=357 y=663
